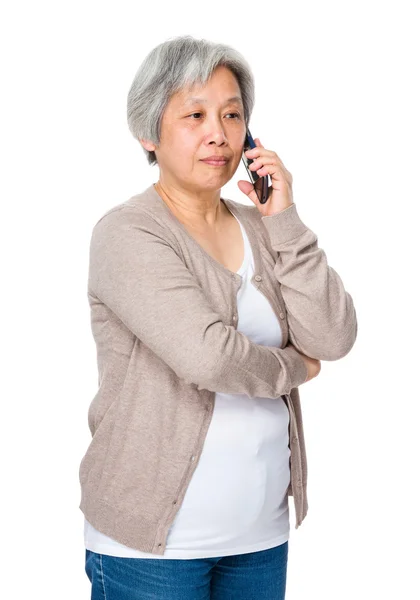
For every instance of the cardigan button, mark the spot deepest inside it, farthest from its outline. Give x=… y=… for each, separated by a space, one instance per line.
x=258 y=278
x=281 y=315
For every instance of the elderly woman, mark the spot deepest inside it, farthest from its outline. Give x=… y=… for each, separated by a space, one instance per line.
x=207 y=315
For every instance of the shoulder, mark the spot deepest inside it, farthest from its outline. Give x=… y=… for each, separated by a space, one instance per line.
x=143 y=208
x=248 y=210
x=131 y=227
x=131 y=213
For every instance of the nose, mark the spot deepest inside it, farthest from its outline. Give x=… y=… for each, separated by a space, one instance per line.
x=217 y=138
x=216 y=134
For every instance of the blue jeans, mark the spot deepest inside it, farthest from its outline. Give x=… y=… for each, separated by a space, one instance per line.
x=253 y=576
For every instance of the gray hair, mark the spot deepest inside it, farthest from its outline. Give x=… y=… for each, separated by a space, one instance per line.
x=178 y=63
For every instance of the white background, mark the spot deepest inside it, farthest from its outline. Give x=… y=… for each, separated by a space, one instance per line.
x=337 y=98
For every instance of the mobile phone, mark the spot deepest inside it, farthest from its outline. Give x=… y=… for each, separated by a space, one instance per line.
x=260 y=183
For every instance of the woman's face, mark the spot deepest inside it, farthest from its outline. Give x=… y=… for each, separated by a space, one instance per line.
x=193 y=129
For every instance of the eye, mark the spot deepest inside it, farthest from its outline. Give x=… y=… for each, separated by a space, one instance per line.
x=237 y=115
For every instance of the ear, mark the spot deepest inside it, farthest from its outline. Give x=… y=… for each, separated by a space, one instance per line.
x=147 y=144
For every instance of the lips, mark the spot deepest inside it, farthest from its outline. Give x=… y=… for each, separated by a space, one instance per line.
x=217 y=161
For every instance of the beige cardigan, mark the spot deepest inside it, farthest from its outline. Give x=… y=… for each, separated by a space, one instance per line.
x=163 y=316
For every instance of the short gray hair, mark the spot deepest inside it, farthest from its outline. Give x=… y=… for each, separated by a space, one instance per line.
x=177 y=63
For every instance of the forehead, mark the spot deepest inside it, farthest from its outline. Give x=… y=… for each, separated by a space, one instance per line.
x=222 y=85
x=187 y=101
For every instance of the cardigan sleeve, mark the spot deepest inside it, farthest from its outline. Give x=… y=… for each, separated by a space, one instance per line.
x=136 y=272
x=320 y=312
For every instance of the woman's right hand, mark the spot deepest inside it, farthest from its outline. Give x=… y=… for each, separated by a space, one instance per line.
x=313 y=365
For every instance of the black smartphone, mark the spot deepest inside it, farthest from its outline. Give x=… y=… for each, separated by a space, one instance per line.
x=260 y=183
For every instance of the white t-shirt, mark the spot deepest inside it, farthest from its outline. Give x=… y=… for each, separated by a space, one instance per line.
x=237 y=499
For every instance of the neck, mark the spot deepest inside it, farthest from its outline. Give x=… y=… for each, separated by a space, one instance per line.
x=204 y=211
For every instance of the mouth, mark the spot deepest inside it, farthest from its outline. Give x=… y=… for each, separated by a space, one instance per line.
x=215 y=163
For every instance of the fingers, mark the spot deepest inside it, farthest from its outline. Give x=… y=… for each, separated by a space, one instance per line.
x=266 y=162
x=266 y=169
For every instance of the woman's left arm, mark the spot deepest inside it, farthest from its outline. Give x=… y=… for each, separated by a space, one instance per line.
x=320 y=312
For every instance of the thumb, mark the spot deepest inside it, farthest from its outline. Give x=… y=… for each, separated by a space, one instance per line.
x=248 y=189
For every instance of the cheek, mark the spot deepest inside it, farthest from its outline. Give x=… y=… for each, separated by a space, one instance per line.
x=185 y=145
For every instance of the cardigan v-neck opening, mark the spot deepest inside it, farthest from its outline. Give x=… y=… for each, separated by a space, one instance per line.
x=231 y=209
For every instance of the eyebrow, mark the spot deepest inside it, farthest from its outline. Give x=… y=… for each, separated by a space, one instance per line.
x=196 y=100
